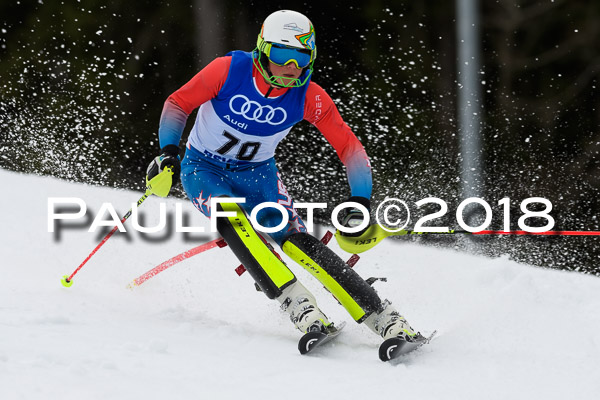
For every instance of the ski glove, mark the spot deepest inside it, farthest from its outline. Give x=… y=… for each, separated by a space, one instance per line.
x=352 y=217
x=169 y=157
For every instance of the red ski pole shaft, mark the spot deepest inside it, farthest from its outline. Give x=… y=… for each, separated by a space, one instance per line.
x=174 y=260
x=545 y=233
x=67 y=279
x=496 y=232
x=159 y=185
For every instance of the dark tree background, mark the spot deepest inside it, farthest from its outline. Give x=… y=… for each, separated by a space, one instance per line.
x=83 y=84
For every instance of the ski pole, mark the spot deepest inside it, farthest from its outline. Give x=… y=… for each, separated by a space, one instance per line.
x=375 y=234
x=545 y=233
x=174 y=260
x=159 y=185
x=220 y=242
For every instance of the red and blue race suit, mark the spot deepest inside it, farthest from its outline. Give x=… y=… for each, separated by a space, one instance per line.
x=237 y=129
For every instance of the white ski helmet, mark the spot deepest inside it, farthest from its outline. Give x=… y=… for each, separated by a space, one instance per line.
x=289 y=28
x=286 y=36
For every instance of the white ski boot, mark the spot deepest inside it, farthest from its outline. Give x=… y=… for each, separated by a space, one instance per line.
x=389 y=323
x=302 y=308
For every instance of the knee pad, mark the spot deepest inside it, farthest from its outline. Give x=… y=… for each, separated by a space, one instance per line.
x=269 y=272
x=355 y=295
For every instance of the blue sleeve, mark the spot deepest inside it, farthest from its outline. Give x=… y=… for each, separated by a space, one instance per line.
x=172 y=124
x=360 y=179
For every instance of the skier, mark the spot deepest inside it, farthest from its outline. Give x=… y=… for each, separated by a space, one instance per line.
x=248 y=103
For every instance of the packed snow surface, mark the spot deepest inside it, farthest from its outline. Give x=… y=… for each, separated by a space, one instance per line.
x=197 y=330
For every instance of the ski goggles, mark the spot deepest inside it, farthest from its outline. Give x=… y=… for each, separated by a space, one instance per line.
x=281 y=55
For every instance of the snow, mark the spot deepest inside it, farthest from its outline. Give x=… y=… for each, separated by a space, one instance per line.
x=506 y=331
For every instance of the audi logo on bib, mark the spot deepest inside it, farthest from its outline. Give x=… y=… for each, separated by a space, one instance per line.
x=254 y=111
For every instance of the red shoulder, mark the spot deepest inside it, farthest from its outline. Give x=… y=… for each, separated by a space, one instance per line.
x=317 y=103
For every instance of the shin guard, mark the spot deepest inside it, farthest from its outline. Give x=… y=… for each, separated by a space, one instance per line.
x=269 y=272
x=355 y=295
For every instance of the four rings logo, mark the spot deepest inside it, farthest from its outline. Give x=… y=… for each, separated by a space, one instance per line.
x=254 y=111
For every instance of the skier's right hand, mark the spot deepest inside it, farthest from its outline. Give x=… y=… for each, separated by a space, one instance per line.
x=169 y=157
x=353 y=217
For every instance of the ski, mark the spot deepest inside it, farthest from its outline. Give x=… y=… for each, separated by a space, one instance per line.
x=394 y=348
x=311 y=340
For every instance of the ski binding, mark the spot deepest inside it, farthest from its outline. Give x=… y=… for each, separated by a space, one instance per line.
x=311 y=340
x=396 y=347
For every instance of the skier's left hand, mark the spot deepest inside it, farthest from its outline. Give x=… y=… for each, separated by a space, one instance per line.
x=352 y=217
x=169 y=157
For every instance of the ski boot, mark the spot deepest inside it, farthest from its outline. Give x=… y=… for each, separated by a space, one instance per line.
x=388 y=323
x=399 y=338
x=302 y=308
x=300 y=304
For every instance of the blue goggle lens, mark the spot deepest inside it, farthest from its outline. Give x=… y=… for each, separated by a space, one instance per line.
x=284 y=55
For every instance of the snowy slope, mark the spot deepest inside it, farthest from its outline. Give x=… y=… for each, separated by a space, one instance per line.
x=506 y=331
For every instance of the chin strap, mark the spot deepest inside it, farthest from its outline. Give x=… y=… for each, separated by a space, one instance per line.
x=265 y=65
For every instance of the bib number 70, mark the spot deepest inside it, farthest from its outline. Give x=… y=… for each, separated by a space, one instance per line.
x=247 y=150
